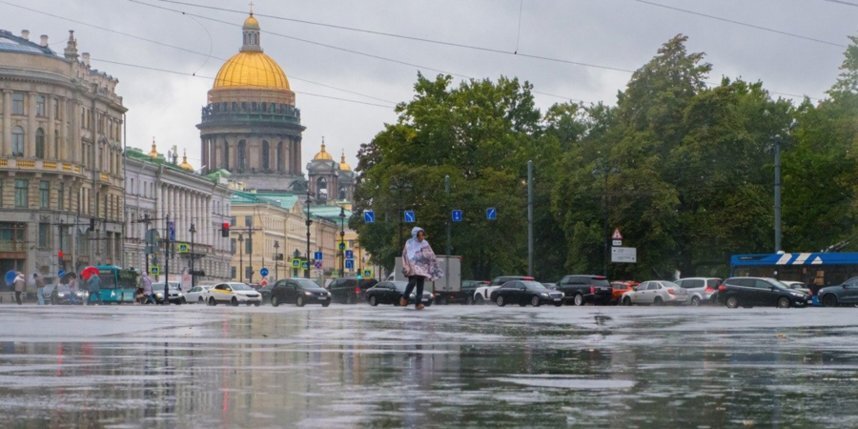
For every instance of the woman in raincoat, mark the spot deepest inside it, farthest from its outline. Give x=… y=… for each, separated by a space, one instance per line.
x=418 y=264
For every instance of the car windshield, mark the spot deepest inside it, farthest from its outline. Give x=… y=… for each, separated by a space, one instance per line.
x=400 y=286
x=240 y=286
x=306 y=283
x=535 y=287
x=599 y=281
x=668 y=284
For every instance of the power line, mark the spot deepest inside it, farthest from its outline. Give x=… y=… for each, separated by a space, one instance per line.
x=843 y=2
x=745 y=24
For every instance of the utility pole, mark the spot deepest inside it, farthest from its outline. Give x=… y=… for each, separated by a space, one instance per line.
x=309 y=222
x=168 y=242
x=449 y=232
x=193 y=231
x=777 y=150
x=530 y=218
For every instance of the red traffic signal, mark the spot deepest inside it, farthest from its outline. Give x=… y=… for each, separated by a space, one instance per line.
x=224 y=229
x=60 y=255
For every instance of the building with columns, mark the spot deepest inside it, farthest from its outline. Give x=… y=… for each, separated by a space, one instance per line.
x=61 y=172
x=158 y=187
x=330 y=182
x=250 y=125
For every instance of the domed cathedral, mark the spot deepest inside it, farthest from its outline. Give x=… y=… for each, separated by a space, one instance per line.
x=330 y=181
x=250 y=125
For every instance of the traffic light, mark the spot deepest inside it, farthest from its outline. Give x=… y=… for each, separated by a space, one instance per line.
x=224 y=229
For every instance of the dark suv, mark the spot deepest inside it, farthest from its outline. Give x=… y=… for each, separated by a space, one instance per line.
x=584 y=288
x=350 y=290
x=750 y=291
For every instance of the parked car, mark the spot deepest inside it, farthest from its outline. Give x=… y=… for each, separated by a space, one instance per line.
x=265 y=292
x=585 y=288
x=299 y=291
x=750 y=291
x=618 y=288
x=845 y=293
x=796 y=285
x=350 y=290
x=63 y=294
x=175 y=292
x=469 y=287
x=700 y=289
x=389 y=292
x=198 y=294
x=482 y=294
x=234 y=293
x=523 y=292
x=656 y=292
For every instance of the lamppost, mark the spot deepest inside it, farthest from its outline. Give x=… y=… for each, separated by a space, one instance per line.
x=309 y=222
x=276 y=258
x=240 y=257
x=192 y=230
x=295 y=255
x=342 y=241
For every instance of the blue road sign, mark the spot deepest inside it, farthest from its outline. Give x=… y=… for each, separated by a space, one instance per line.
x=369 y=216
x=317 y=256
x=263 y=272
x=491 y=213
x=350 y=264
x=409 y=216
x=350 y=254
x=458 y=215
x=171 y=230
x=306 y=265
x=61 y=273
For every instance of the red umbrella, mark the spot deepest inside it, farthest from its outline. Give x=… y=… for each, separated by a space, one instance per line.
x=88 y=272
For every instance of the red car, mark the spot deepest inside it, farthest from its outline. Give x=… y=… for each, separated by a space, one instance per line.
x=619 y=287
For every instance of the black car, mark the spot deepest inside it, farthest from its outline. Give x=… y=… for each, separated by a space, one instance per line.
x=265 y=291
x=350 y=290
x=581 y=289
x=750 y=291
x=526 y=292
x=389 y=292
x=842 y=294
x=300 y=292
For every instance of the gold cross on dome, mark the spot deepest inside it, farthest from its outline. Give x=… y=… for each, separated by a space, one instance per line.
x=251 y=7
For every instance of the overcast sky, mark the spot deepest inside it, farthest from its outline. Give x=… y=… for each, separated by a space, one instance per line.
x=621 y=34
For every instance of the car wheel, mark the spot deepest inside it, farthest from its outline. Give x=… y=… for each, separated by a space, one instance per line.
x=657 y=301
x=200 y=300
x=234 y=302
x=257 y=304
x=695 y=301
x=373 y=301
x=325 y=304
x=184 y=301
x=212 y=302
x=469 y=300
x=299 y=301
x=558 y=304
x=535 y=301
x=275 y=301
x=732 y=302
x=783 y=302
x=627 y=300
x=522 y=304
x=500 y=301
x=578 y=300
x=829 y=300
x=478 y=300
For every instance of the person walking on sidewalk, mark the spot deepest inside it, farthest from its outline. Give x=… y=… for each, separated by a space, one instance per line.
x=148 y=294
x=94 y=286
x=418 y=264
x=39 y=283
x=20 y=286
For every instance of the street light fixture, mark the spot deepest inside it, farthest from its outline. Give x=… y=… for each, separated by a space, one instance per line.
x=192 y=230
x=342 y=242
x=276 y=256
x=309 y=222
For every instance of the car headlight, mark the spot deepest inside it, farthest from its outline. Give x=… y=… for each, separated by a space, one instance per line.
x=545 y=295
x=308 y=293
x=159 y=295
x=61 y=294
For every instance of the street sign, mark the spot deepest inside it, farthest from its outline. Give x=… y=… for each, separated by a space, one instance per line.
x=409 y=216
x=616 y=243
x=367 y=273
x=369 y=216
x=617 y=235
x=627 y=255
x=171 y=230
x=350 y=254
x=318 y=256
x=263 y=272
x=305 y=265
x=342 y=245
x=296 y=263
x=61 y=273
x=491 y=213
x=317 y=264
x=154 y=270
x=350 y=264
x=458 y=215
x=183 y=248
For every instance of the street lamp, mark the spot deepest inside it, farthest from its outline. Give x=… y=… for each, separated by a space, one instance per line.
x=342 y=241
x=240 y=257
x=295 y=255
x=276 y=256
x=309 y=222
x=193 y=231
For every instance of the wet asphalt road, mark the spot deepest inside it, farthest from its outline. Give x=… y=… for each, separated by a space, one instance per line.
x=447 y=366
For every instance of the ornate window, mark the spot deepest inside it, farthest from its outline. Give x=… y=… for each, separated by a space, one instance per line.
x=18 y=104
x=56 y=144
x=226 y=154
x=17 y=141
x=41 y=106
x=242 y=156
x=40 y=143
x=44 y=194
x=280 y=157
x=21 y=194
x=265 y=155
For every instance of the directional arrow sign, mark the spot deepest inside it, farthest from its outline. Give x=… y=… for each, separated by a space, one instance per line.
x=409 y=216
x=350 y=264
x=318 y=256
x=263 y=272
x=458 y=215
x=369 y=216
x=491 y=213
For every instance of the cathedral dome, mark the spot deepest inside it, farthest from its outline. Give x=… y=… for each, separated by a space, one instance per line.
x=323 y=155
x=344 y=166
x=251 y=68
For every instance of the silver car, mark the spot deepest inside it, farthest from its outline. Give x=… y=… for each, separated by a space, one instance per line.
x=198 y=294
x=655 y=292
x=700 y=289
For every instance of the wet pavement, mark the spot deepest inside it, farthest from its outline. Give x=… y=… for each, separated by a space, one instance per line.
x=447 y=366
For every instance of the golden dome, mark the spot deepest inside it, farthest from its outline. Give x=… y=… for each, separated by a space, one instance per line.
x=323 y=155
x=154 y=152
x=251 y=22
x=251 y=70
x=185 y=165
x=344 y=166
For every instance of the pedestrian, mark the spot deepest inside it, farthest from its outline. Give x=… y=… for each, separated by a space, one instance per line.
x=94 y=286
x=39 y=283
x=418 y=264
x=148 y=293
x=20 y=286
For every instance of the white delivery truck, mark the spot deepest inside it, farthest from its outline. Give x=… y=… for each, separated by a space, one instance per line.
x=446 y=289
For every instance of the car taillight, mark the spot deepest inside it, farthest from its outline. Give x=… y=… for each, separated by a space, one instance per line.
x=357 y=290
x=709 y=289
x=592 y=290
x=722 y=288
x=671 y=292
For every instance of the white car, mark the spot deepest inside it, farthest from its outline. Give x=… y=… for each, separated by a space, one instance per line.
x=655 y=292
x=700 y=289
x=234 y=293
x=175 y=293
x=198 y=294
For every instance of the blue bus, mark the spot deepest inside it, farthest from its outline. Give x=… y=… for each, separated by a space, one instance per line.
x=817 y=270
x=118 y=285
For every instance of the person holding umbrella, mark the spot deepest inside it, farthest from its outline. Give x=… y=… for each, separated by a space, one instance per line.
x=93 y=283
